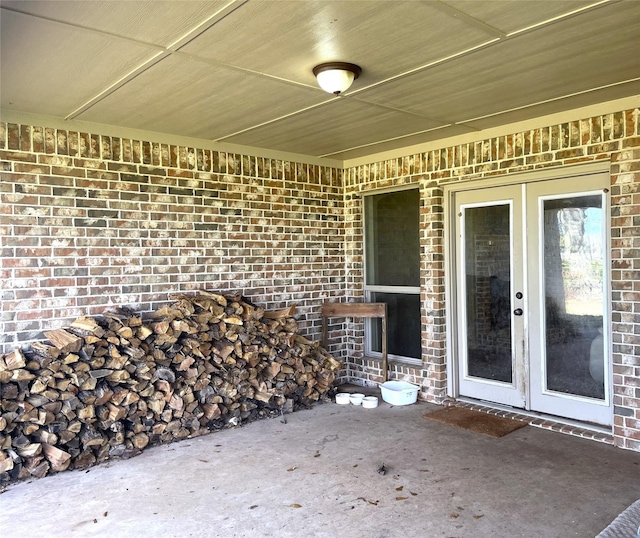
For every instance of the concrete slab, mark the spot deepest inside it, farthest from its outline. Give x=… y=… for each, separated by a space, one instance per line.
x=317 y=476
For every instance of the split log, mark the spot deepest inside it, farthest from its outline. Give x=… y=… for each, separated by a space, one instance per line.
x=64 y=340
x=14 y=360
x=280 y=314
x=6 y=462
x=87 y=325
x=59 y=459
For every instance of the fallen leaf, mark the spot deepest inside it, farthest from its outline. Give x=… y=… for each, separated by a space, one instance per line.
x=399 y=488
x=424 y=470
x=316 y=455
x=412 y=493
x=401 y=498
x=292 y=468
x=454 y=515
x=105 y=514
x=253 y=506
x=356 y=465
x=478 y=517
x=295 y=505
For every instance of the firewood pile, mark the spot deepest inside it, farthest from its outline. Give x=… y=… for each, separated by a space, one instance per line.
x=110 y=386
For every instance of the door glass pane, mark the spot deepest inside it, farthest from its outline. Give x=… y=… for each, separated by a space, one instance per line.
x=574 y=301
x=393 y=240
x=403 y=325
x=487 y=256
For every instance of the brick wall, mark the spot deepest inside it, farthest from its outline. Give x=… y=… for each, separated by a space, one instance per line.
x=90 y=221
x=614 y=138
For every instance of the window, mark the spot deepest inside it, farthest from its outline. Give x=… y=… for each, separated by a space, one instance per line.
x=393 y=271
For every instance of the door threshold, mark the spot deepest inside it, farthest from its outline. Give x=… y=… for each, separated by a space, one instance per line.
x=540 y=420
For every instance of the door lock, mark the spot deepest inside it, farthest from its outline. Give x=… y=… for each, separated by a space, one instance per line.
x=518 y=312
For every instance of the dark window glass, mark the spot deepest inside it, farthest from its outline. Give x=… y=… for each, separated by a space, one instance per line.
x=393 y=240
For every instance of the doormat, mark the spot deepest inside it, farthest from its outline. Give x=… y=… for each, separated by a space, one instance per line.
x=476 y=421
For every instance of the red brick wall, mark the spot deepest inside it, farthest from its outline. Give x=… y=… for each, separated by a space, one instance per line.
x=90 y=221
x=612 y=137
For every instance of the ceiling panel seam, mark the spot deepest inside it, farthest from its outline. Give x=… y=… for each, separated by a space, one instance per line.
x=280 y=118
x=429 y=65
x=209 y=22
x=400 y=137
x=472 y=21
x=562 y=17
x=148 y=64
x=553 y=99
x=81 y=27
x=399 y=110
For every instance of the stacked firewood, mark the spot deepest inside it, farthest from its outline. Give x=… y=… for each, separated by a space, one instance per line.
x=110 y=386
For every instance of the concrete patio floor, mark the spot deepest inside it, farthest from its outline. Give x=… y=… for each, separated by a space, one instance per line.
x=316 y=476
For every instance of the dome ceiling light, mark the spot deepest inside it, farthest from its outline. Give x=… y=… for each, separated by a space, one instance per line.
x=336 y=77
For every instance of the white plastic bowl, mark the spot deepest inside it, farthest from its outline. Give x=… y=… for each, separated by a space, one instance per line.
x=356 y=398
x=342 y=398
x=370 y=402
x=399 y=392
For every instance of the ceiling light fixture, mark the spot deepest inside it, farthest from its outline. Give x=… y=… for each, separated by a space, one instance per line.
x=336 y=77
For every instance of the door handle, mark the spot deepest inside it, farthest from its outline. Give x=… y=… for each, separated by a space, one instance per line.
x=518 y=312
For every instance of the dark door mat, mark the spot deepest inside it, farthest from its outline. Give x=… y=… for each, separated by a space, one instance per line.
x=476 y=421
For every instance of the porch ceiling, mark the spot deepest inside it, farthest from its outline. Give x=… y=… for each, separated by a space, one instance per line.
x=239 y=72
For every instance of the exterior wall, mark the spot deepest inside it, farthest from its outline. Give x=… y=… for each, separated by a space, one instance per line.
x=89 y=221
x=614 y=138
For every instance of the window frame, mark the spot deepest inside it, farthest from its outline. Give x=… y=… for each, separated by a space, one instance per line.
x=370 y=289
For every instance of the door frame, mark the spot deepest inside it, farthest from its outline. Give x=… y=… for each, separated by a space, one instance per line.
x=450 y=261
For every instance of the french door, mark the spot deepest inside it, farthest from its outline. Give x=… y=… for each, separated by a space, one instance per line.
x=531 y=294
